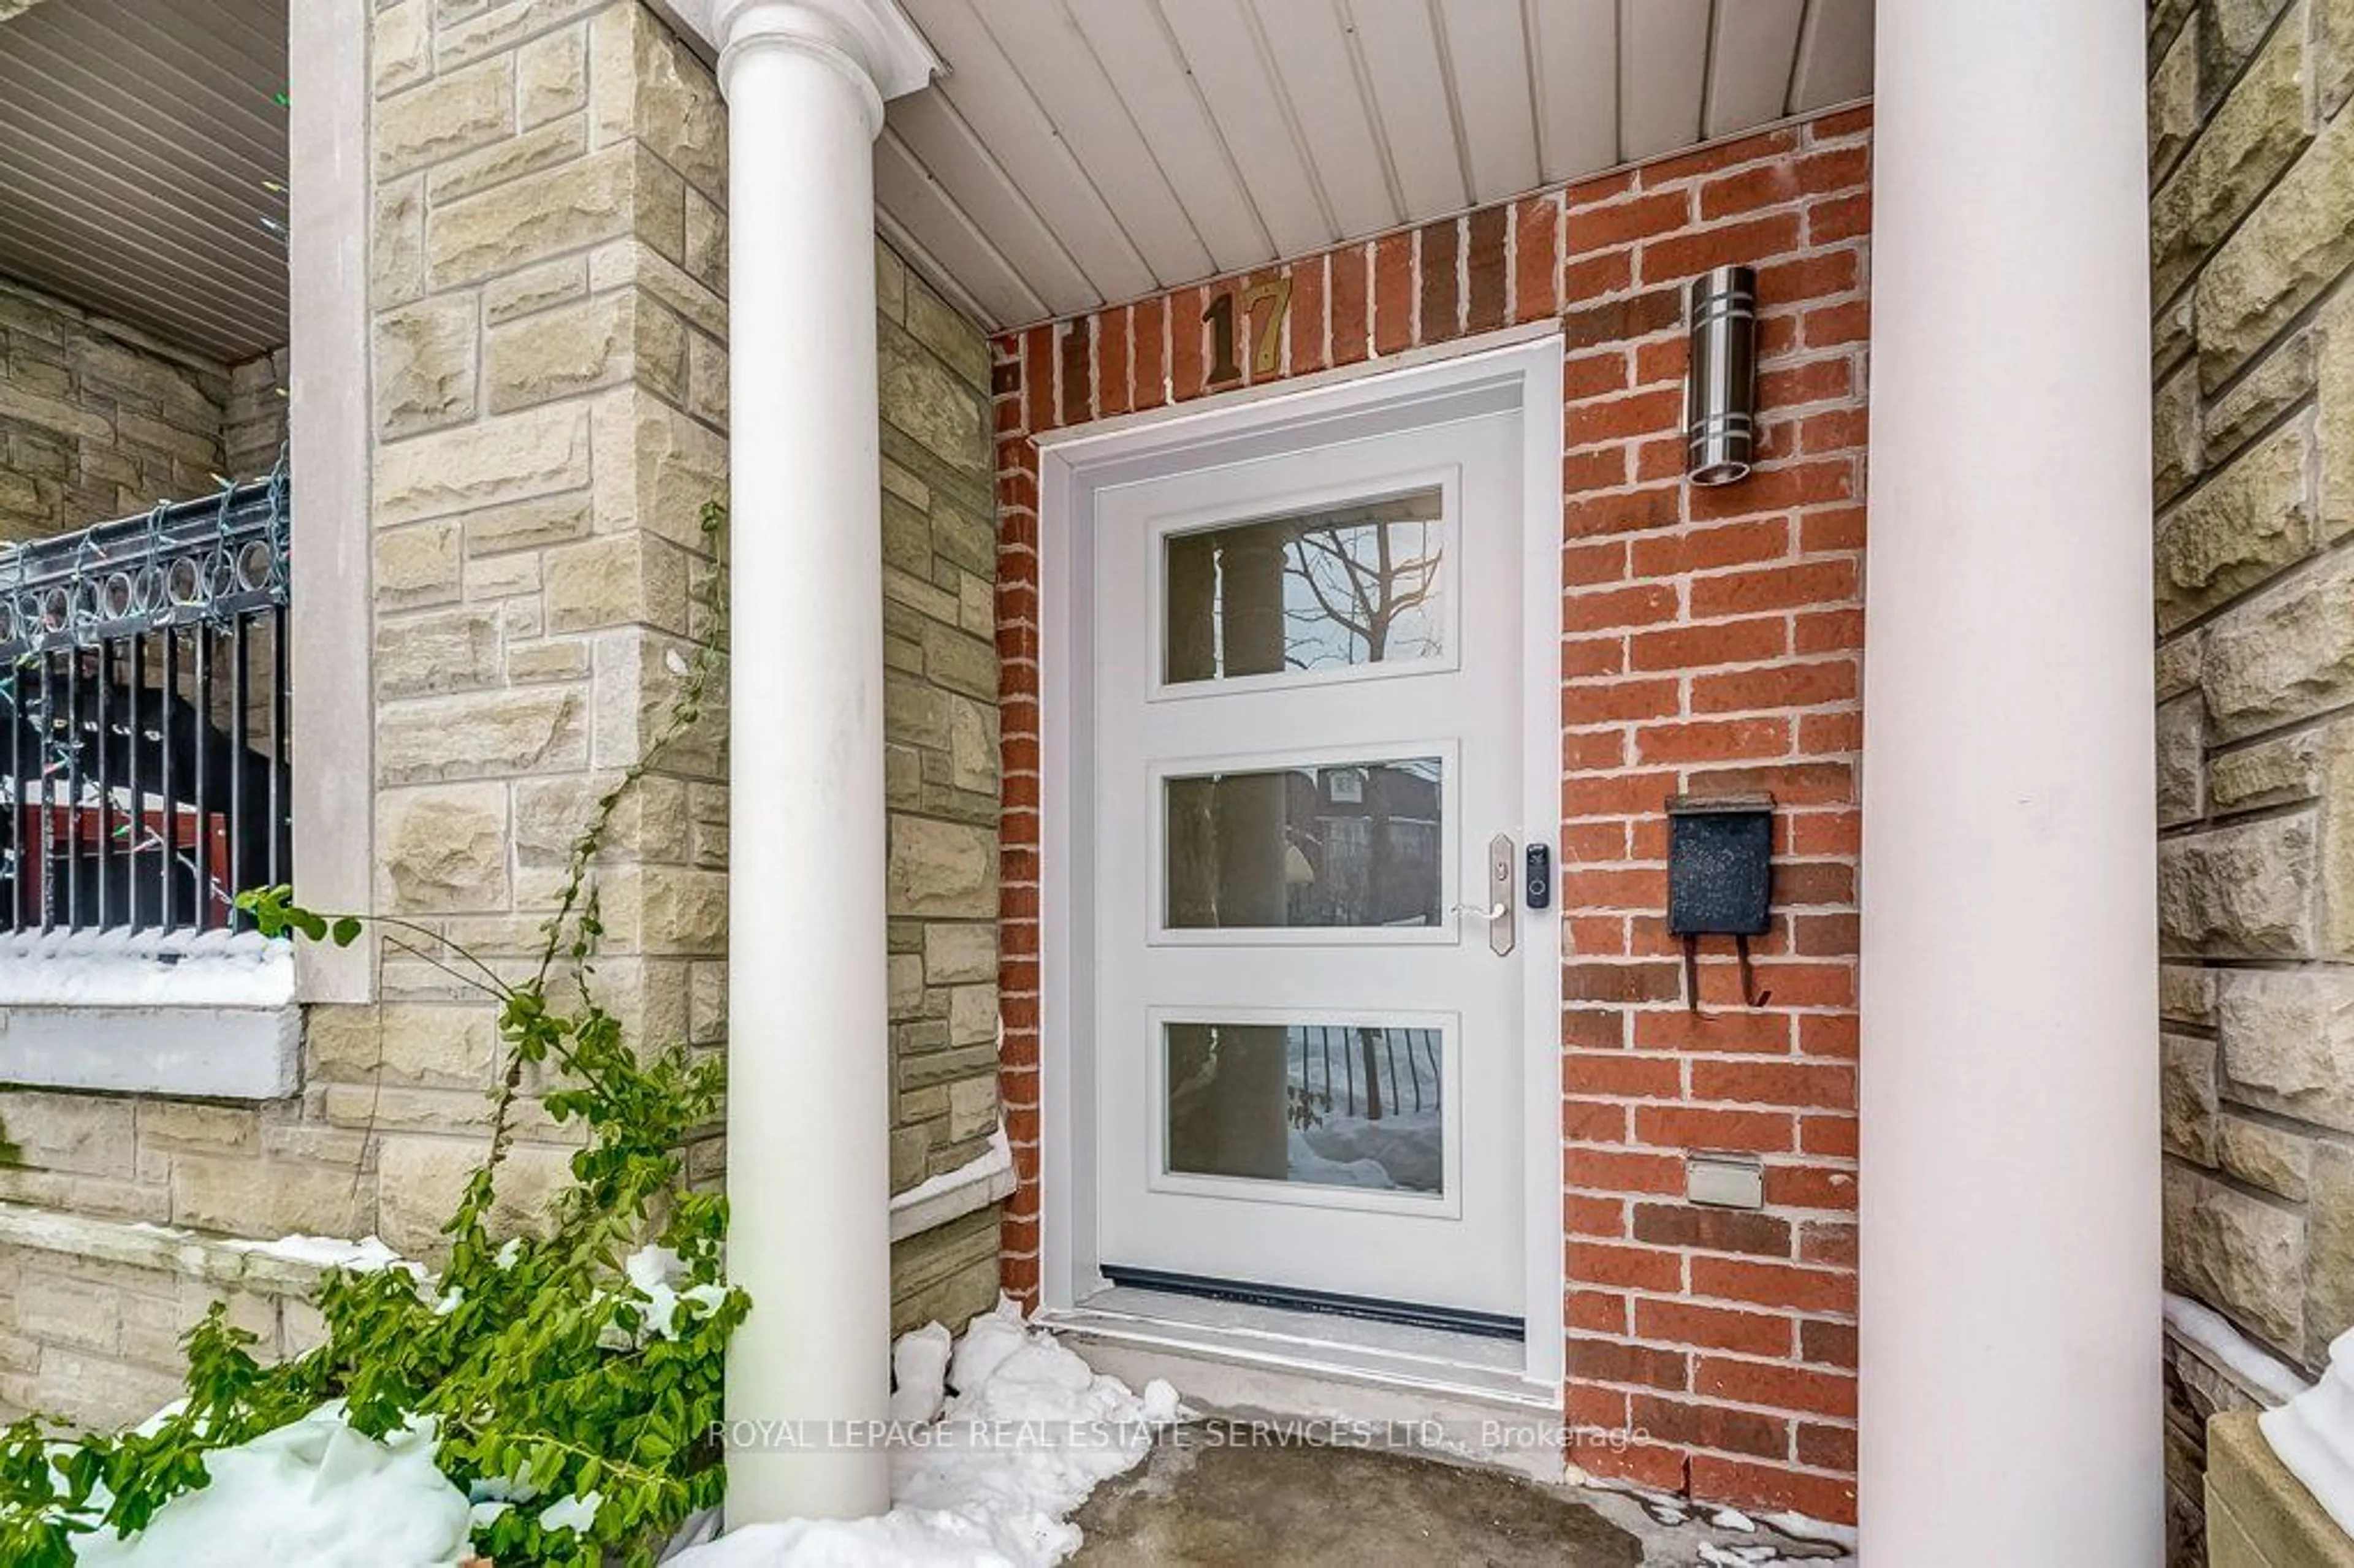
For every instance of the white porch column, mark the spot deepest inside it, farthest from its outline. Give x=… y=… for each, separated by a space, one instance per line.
x=808 y=1108
x=2010 y=1314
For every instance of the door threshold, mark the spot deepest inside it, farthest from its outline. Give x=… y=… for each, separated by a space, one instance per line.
x=1342 y=1380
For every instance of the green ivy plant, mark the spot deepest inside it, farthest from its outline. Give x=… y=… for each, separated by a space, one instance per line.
x=547 y=1373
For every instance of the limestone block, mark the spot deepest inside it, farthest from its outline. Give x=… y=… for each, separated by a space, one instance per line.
x=2230 y=28
x=190 y=1124
x=960 y=661
x=397 y=238
x=66 y=1312
x=2186 y=993
x=683 y=910
x=2337 y=748
x=2289 y=1042
x=2247 y=142
x=2180 y=663
x=910 y=1156
x=2186 y=1082
x=972 y=1015
x=419 y=1177
x=2334 y=379
x=2259 y=1515
x=79 y=1135
x=617 y=580
x=454 y=113
x=560 y=142
x=925 y=400
x=2329 y=1266
x=602 y=341
x=469 y=29
x=2180 y=776
x=2241 y=1253
x=2241 y=527
x=934 y=323
x=2333 y=56
x=2245 y=891
x=403 y=52
x=954 y=953
x=2293 y=246
x=533 y=218
x=2272 y=773
x=538 y=453
x=418 y=565
x=649 y=86
x=99 y=1391
x=528 y=524
x=2284 y=655
x=444 y=850
x=972 y=1108
x=943 y=869
x=534 y=289
x=906 y=972
x=2271 y=385
x=552 y=75
x=455 y=651
x=2265 y=1156
x=265 y=1198
x=655 y=468
x=535 y=729
x=2174 y=99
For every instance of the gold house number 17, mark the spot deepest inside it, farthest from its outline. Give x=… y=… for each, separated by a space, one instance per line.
x=1266 y=343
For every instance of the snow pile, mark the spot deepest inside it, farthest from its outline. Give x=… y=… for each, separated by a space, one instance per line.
x=2220 y=1342
x=312 y=1492
x=2314 y=1435
x=1028 y=1434
x=367 y=1255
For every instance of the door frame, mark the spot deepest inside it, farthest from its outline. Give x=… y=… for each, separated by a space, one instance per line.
x=1520 y=368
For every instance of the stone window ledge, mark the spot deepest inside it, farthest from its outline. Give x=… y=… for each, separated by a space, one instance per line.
x=208 y=1017
x=974 y=1185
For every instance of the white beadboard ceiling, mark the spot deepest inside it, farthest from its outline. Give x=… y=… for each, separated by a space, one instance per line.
x=142 y=165
x=1081 y=152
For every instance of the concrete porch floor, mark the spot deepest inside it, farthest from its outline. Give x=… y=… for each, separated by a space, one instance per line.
x=1306 y=1506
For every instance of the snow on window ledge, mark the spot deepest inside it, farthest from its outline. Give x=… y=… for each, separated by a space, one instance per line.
x=210 y=1017
x=125 y=968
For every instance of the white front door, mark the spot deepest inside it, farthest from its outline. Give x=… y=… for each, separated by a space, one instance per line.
x=1307 y=718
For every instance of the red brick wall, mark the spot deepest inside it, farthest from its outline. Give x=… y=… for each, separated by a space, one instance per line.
x=1710 y=640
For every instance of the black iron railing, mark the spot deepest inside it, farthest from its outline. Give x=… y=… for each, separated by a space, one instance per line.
x=144 y=765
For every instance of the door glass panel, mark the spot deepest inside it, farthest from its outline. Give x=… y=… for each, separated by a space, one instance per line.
x=1353 y=584
x=1314 y=1105
x=1344 y=845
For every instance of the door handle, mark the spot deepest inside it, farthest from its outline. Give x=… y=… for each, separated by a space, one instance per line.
x=1503 y=896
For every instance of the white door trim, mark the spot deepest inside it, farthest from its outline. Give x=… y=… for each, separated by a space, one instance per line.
x=1506 y=370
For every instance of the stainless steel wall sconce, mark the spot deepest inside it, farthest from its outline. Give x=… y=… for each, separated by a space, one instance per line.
x=1721 y=384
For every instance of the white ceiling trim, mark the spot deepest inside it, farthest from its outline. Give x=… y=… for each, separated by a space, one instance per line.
x=1080 y=153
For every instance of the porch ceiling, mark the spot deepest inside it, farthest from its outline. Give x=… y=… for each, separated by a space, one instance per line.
x=138 y=145
x=1079 y=153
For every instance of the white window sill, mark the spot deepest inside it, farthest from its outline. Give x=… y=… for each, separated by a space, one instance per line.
x=210 y=1017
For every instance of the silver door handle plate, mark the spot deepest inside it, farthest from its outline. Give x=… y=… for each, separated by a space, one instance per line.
x=1503 y=895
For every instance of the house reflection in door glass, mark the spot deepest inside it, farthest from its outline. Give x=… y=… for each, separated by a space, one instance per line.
x=1320 y=1104
x=1352 y=844
x=1353 y=584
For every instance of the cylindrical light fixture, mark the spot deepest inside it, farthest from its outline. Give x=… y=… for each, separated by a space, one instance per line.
x=1721 y=385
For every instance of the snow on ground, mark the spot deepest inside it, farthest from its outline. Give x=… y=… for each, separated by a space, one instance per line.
x=2314 y=1435
x=1408 y=1149
x=312 y=1492
x=1028 y=1432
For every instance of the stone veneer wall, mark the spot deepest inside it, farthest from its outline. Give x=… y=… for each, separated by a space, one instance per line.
x=98 y=419
x=2251 y=149
x=548 y=297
